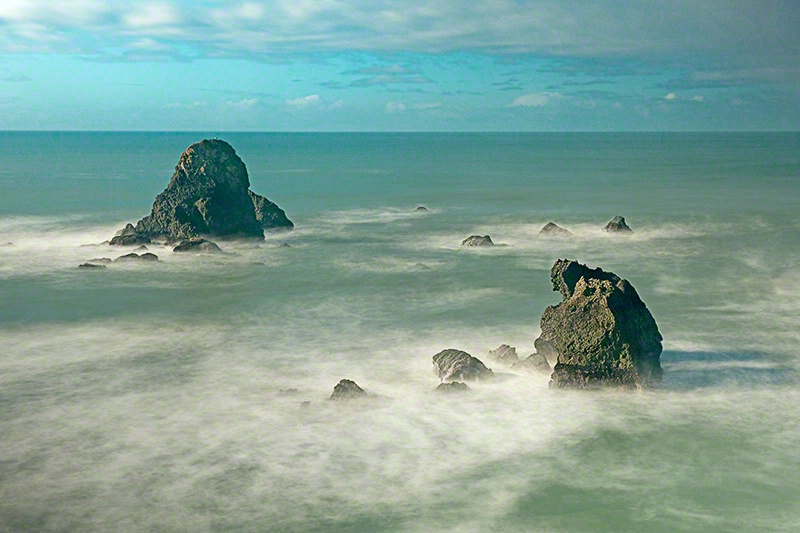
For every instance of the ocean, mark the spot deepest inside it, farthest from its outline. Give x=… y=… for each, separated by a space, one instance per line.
x=192 y=394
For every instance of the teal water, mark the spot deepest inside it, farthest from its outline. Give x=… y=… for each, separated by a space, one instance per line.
x=148 y=397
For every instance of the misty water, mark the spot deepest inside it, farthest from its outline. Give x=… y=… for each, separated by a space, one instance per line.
x=153 y=397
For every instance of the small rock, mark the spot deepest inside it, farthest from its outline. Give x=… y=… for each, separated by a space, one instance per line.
x=128 y=236
x=6 y=244
x=421 y=208
x=477 y=240
x=504 y=354
x=105 y=260
x=535 y=362
x=617 y=225
x=454 y=386
x=90 y=266
x=552 y=230
x=456 y=365
x=288 y=392
x=142 y=248
x=347 y=390
x=285 y=245
x=133 y=256
x=197 y=246
x=148 y=257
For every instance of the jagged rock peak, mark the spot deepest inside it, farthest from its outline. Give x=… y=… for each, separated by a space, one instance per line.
x=551 y=229
x=477 y=240
x=601 y=334
x=617 y=225
x=347 y=389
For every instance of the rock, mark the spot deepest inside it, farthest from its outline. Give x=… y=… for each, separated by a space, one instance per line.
x=148 y=257
x=128 y=236
x=142 y=248
x=284 y=245
x=504 y=354
x=91 y=266
x=6 y=244
x=421 y=208
x=197 y=245
x=617 y=225
x=288 y=392
x=535 y=362
x=455 y=386
x=268 y=214
x=133 y=256
x=477 y=240
x=347 y=390
x=208 y=195
x=552 y=230
x=455 y=365
x=105 y=260
x=602 y=332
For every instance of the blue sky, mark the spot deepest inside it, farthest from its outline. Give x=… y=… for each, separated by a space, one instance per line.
x=375 y=65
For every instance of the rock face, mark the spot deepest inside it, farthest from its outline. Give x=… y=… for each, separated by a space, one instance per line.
x=207 y=195
x=347 y=390
x=455 y=386
x=602 y=333
x=477 y=240
x=504 y=354
x=552 y=230
x=455 y=365
x=617 y=225
x=535 y=362
x=197 y=245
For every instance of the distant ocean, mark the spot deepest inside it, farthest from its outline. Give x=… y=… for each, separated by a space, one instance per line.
x=153 y=397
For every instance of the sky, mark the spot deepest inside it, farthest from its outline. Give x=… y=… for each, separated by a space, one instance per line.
x=376 y=65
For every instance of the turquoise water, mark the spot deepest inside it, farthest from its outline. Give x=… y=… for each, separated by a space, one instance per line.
x=148 y=397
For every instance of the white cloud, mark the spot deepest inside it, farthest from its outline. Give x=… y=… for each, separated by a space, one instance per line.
x=150 y=15
x=671 y=96
x=698 y=98
x=394 y=107
x=312 y=100
x=535 y=99
x=245 y=103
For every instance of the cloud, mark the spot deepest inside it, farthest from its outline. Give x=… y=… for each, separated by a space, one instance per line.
x=671 y=96
x=312 y=100
x=244 y=103
x=395 y=107
x=535 y=99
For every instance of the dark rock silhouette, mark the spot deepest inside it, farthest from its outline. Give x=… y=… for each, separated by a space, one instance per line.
x=133 y=256
x=456 y=365
x=552 y=230
x=602 y=332
x=197 y=245
x=504 y=354
x=347 y=390
x=100 y=260
x=90 y=266
x=421 y=208
x=477 y=240
x=455 y=386
x=535 y=362
x=208 y=195
x=617 y=225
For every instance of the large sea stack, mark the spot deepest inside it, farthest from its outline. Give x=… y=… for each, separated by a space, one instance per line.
x=601 y=334
x=208 y=195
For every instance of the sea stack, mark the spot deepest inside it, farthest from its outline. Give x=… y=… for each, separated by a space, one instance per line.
x=601 y=334
x=617 y=225
x=477 y=240
x=208 y=195
x=551 y=229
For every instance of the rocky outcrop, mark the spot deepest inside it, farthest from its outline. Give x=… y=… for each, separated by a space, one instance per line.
x=602 y=332
x=347 y=390
x=504 y=354
x=455 y=386
x=91 y=266
x=133 y=256
x=477 y=240
x=197 y=245
x=268 y=214
x=421 y=209
x=534 y=363
x=100 y=260
x=551 y=229
x=617 y=225
x=455 y=365
x=208 y=195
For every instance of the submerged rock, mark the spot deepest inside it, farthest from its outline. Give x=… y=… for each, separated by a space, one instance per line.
x=207 y=195
x=141 y=248
x=197 y=246
x=477 y=240
x=552 y=230
x=90 y=266
x=455 y=386
x=617 y=225
x=133 y=256
x=455 y=365
x=347 y=390
x=504 y=354
x=100 y=260
x=602 y=333
x=421 y=208
x=534 y=363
